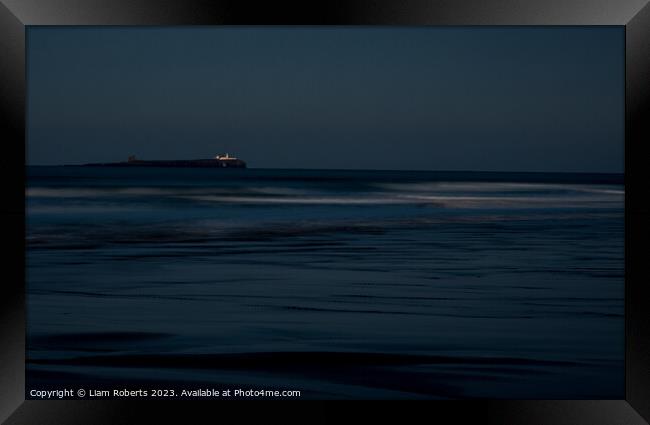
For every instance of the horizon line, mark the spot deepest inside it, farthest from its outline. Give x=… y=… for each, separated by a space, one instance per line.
x=374 y=169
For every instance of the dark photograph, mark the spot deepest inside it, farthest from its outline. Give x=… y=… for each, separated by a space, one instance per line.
x=325 y=212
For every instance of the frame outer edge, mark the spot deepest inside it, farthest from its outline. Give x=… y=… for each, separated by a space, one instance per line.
x=338 y=12
x=637 y=226
x=12 y=219
x=12 y=108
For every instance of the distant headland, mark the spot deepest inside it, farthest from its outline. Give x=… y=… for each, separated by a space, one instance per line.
x=219 y=161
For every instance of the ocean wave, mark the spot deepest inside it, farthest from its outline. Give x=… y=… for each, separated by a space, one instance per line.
x=331 y=200
x=81 y=192
x=437 y=187
x=450 y=195
x=420 y=199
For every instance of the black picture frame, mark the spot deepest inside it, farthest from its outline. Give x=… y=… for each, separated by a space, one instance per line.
x=17 y=15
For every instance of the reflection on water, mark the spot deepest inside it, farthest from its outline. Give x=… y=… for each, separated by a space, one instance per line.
x=342 y=284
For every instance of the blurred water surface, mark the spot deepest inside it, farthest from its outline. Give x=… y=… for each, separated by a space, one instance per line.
x=343 y=284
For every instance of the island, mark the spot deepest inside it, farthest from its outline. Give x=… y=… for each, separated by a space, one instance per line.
x=219 y=161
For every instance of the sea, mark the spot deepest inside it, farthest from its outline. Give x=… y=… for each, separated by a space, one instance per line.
x=341 y=284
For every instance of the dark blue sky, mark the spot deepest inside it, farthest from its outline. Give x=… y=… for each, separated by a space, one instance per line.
x=455 y=98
